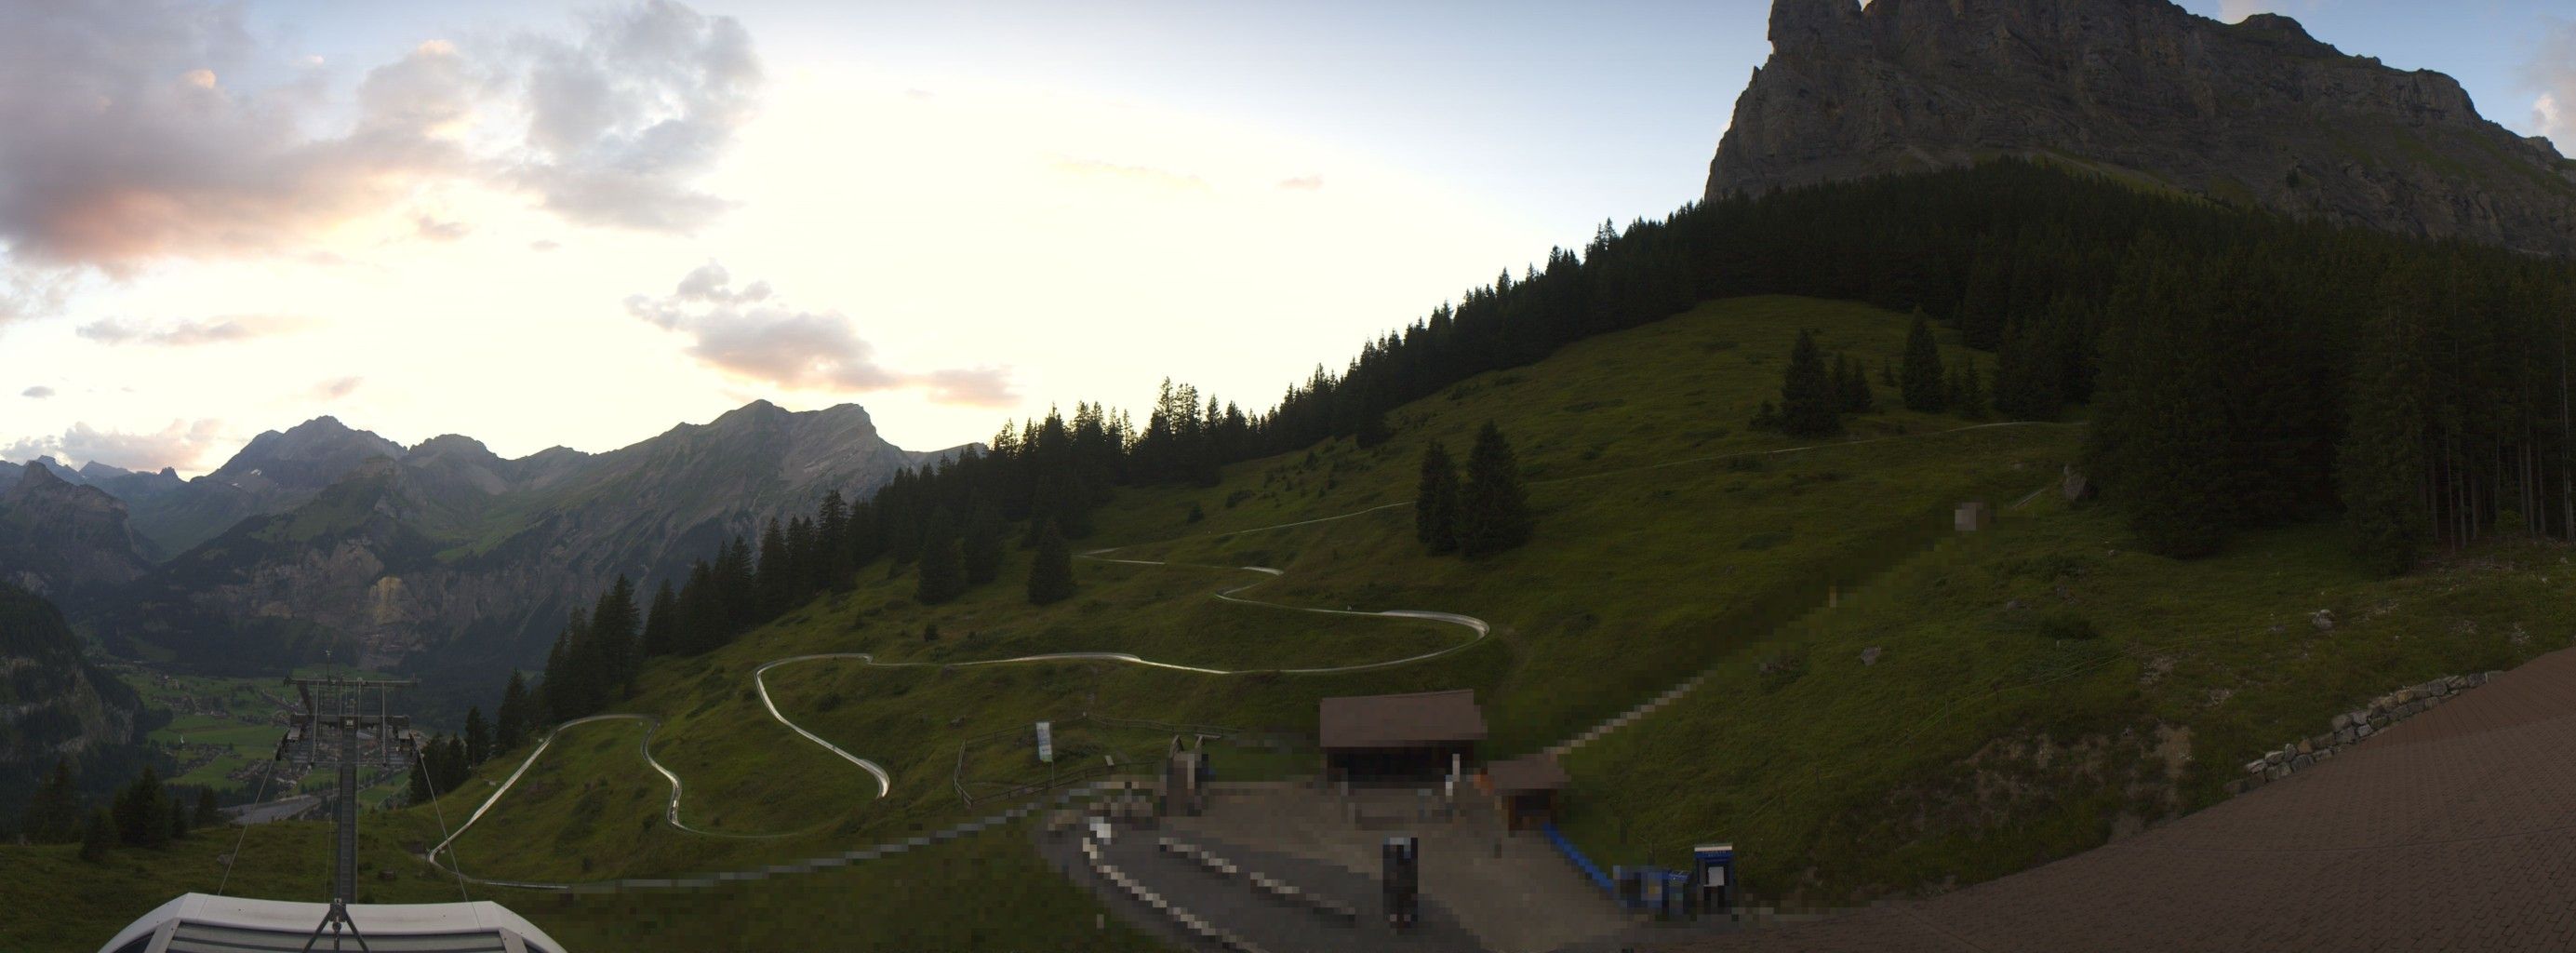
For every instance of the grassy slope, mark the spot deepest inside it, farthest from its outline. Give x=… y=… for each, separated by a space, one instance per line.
x=1979 y=743
x=1637 y=578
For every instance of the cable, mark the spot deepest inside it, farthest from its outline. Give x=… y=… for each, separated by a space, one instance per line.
x=429 y=780
x=235 y=857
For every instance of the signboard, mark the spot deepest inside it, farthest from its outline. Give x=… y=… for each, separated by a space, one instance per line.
x=1046 y=742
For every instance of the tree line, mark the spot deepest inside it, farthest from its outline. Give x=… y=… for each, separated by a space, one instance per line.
x=144 y=813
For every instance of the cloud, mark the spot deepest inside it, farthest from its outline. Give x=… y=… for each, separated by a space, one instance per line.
x=439 y=231
x=38 y=392
x=183 y=445
x=337 y=387
x=544 y=244
x=750 y=334
x=2552 y=71
x=621 y=123
x=125 y=144
x=1303 y=183
x=1138 y=174
x=127 y=141
x=190 y=333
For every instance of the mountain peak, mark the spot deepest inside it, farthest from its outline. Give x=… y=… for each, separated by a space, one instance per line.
x=2256 y=113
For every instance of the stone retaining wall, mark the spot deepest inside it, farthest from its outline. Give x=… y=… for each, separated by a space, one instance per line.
x=2353 y=726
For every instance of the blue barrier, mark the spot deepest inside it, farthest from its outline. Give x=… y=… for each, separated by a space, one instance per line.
x=1581 y=862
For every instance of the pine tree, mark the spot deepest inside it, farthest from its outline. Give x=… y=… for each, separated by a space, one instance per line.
x=613 y=625
x=1923 y=382
x=1493 y=509
x=1435 y=503
x=1851 y=387
x=2381 y=461
x=478 y=737
x=53 y=812
x=943 y=561
x=1807 y=397
x=982 y=547
x=97 y=834
x=662 y=622
x=143 y=812
x=834 y=570
x=737 y=591
x=178 y=820
x=1967 y=392
x=1051 y=573
x=2026 y=375
x=1887 y=373
x=208 y=814
x=420 y=778
x=511 y=727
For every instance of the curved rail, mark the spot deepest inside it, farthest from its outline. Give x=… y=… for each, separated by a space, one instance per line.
x=885 y=781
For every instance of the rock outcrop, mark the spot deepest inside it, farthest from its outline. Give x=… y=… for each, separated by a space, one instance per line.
x=57 y=536
x=2256 y=112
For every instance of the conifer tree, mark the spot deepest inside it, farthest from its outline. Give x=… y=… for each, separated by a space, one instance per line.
x=178 y=820
x=1923 y=383
x=53 y=812
x=777 y=574
x=662 y=622
x=1807 y=396
x=478 y=737
x=97 y=834
x=143 y=812
x=2026 y=375
x=982 y=547
x=1887 y=373
x=834 y=569
x=1851 y=387
x=2381 y=461
x=511 y=726
x=1051 y=572
x=1435 y=502
x=1967 y=392
x=1493 y=509
x=943 y=562
x=420 y=778
x=613 y=625
x=208 y=814
x=737 y=591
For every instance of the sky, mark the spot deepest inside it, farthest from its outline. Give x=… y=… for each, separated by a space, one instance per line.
x=544 y=224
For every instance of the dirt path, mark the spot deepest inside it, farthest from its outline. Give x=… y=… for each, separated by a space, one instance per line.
x=2453 y=830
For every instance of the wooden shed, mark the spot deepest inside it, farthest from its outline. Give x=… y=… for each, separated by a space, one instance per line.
x=1410 y=738
x=1525 y=790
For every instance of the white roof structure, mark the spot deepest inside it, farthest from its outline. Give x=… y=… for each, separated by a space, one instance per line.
x=198 y=923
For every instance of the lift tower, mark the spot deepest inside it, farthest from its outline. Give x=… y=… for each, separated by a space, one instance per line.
x=338 y=729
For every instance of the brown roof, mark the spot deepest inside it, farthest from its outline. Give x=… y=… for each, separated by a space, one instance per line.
x=1401 y=721
x=1525 y=775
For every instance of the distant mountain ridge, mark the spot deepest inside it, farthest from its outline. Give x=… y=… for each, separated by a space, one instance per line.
x=445 y=555
x=2257 y=112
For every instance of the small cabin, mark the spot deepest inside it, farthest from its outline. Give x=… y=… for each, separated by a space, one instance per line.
x=1412 y=738
x=1526 y=790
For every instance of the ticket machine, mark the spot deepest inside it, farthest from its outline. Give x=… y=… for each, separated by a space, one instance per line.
x=1713 y=871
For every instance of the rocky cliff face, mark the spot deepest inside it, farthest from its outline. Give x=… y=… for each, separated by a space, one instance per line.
x=54 y=703
x=2255 y=112
x=59 y=537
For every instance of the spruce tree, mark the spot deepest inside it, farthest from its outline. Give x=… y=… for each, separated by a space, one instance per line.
x=143 y=812
x=478 y=737
x=511 y=726
x=53 y=812
x=1435 y=502
x=2381 y=461
x=613 y=625
x=1051 y=572
x=1923 y=382
x=97 y=834
x=834 y=570
x=208 y=814
x=1967 y=392
x=982 y=547
x=1887 y=373
x=662 y=622
x=1493 y=509
x=420 y=779
x=943 y=562
x=1851 y=387
x=777 y=575
x=2026 y=375
x=1807 y=395
x=178 y=820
